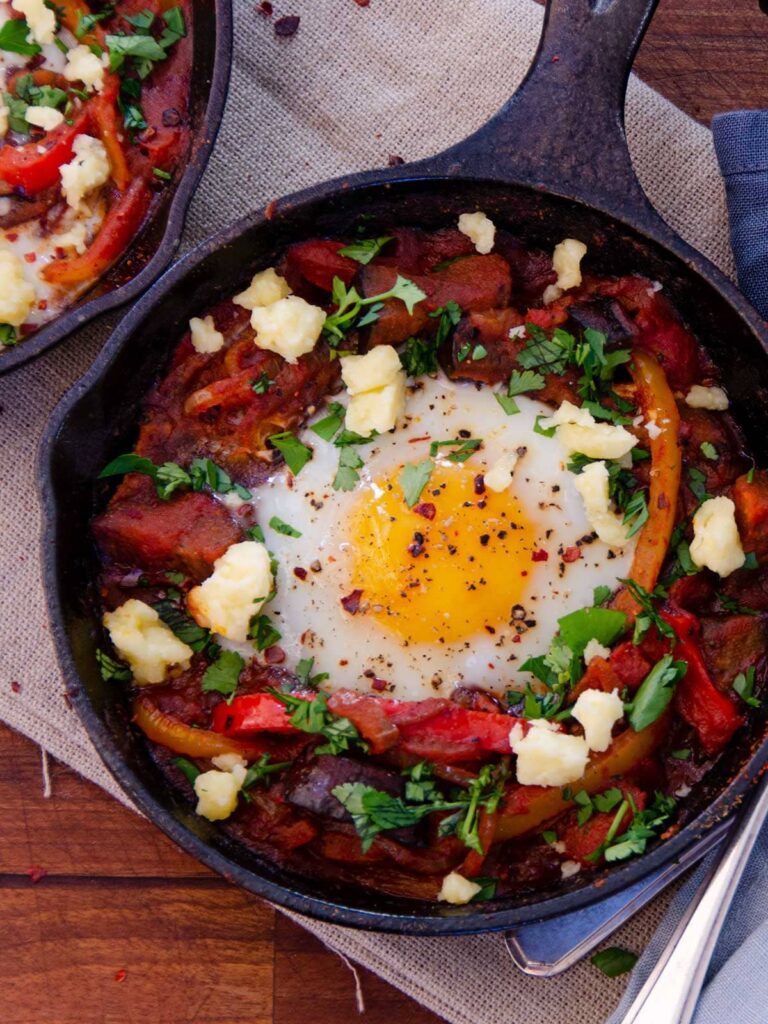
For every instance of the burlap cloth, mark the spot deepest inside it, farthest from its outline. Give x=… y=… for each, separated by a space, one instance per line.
x=351 y=87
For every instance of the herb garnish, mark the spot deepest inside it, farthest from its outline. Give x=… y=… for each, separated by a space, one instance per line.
x=744 y=685
x=295 y=452
x=223 y=674
x=614 y=961
x=648 y=616
x=112 y=671
x=463 y=449
x=655 y=692
x=304 y=673
x=313 y=716
x=169 y=477
x=350 y=305
x=364 y=250
x=279 y=526
x=183 y=626
x=261 y=384
x=645 y=825
x=263 y=632
x=13 y=38
x=414 y=477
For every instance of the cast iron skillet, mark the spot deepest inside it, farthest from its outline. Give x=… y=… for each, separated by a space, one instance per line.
x=552 y=163
x=159 y=239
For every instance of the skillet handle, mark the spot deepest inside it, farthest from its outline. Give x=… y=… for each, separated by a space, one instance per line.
x=564 y=127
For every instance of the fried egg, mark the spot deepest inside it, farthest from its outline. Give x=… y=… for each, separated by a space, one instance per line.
x=461 y=588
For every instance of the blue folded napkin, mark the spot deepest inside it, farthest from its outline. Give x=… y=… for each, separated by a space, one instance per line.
x=741 y=144
x=736 y=986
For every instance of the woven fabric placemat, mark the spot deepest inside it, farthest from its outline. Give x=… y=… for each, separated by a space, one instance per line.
x=352 y=86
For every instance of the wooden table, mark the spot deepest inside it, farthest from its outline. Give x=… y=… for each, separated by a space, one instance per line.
x=122 y=927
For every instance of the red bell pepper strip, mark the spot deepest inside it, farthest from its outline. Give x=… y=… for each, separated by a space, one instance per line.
x=318 y=261
x=711 y=713
x=437 y=730
x=26 y=167
x=182 y=738
x=117 y=232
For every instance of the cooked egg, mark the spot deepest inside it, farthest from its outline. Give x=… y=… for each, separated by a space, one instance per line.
x=461 y=588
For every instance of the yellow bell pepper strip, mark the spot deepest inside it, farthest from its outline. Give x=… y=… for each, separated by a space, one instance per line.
x=528 y=807
x=109 y=125
x=657 y=404
x=182 y=738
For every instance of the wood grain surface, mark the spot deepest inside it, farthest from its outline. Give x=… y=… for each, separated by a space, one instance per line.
x=122 y=927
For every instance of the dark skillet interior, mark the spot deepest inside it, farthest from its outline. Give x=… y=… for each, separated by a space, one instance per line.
x=99 y=420
x=152 y=250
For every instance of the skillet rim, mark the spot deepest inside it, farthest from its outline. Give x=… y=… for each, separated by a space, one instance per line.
x=73 y=318
x=649 y=226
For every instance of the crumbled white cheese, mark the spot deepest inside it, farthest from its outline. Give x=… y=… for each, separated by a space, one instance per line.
x=597 y=712
x=566 y=262
x=376 y=385
x=88 y=170
x=480 y=229
x=457 y=889
x=377 y=410
x=682 y=792
x=84 y=66
x=227 y=762
x=46 y=118
x=143 y=640
x=240 y=583
x=653 y=429
x=205 y=337
x=716 y=544
x=266 y=288
x=700 y=397
x=595 y=649
x=551 y=293
x=17 y=296
x=217 y=791
x=373 y=370
x=517 y=332
x=499 y=476
x=592 y=485
x=76 y=238
x=578 y=431
x=546 y=757
x=290 y=327
x=41 y=19
x=4 y=112
x=569 y=868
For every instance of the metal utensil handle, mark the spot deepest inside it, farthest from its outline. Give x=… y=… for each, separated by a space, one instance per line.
x=672 y=989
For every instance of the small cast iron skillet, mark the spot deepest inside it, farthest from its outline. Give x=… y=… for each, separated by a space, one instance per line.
x=152 y=252
x=552 y=163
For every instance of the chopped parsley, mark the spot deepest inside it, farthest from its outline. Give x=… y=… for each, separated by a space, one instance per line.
x=414 y=477
x=8 y=335
x=183 y=626
x=347 y=474
x=697 y=480
x=351 y=305
x=304 y=673
x=708 y=450
x=279 y=526
x=730 y=604
x=328 y=426
x=313 y=716
x=744 y=685
x=223 y=675
x=366 y=249
x=185 y=766
x=13 y=38
x=295 y=453
x=479 y=352
x=614 y=961
x=263 y=632
x=261 y=384
x=655 y=692
x=645 y=825
x=648 y=615
x=170 y=477
x=463 y=449
x=419 y=356
x=261 y=770
x=112 y=670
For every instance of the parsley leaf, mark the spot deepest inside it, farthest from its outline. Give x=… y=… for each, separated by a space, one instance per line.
x=328 y=425
x=730 y=604
x=191 y=771
x=697 y=480
x=183 y=626
x=347 y=474
x=313 y=716
x=544 y=431
x=614 y=961
x=285 y=528
x=222 y=675
x=509 y=405
x=419 y=356
x=602 y=624
x=304 y=673
x=744 y=685
x=350 y=305
x=112 y=671
x=13 y=38
x=365 y=249
x=521 y=383
x=263 y=632
x=655 y=692
x=295 y=453
x=261 y=770
x=708 y=450
x=261 y=384
x=648 y=615
x=464 y=449
x=414 y=477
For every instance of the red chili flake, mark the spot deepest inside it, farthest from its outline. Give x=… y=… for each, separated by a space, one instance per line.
x=30 y=257
x=393 y=160
x=59 y=252
x=36 y=872
x=12 y=236
x=351 y=603
x=288 y=26
x=300 y=573
x=379 y=684
x=274 y=655
x=479 y=484
x=120 y=975
x=42 y=304
x=572 y=554
x=524 y=572
x=425 y=509
x=516 y=639
x=265 y=8
x=540 y=556
x=415 y=440
x=269 y=210
x=556 y=58
x=15 y=686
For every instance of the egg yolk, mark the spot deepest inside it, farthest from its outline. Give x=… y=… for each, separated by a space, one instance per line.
x=447 y=569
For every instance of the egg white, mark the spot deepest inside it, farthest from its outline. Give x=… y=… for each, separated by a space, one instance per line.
x=354 y=648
